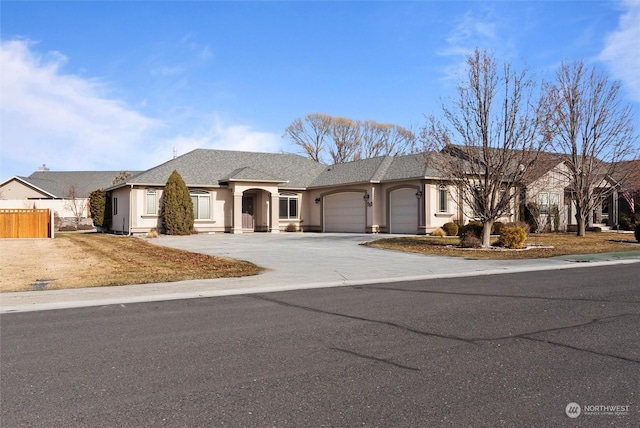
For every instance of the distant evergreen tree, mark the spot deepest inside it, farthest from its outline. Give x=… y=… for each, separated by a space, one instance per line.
x=177 y=208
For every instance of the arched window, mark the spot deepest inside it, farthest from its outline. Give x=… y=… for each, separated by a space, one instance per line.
x=288 y=206
x=443 y=196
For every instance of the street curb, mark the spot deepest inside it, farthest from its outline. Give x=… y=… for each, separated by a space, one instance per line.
x=123 y=300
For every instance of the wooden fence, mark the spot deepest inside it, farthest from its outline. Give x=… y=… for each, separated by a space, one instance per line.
x=17 y=223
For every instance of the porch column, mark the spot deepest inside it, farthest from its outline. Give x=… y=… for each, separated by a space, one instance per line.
x=275 y=212
x=236 y=226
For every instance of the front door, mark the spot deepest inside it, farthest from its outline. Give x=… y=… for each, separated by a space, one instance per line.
x=247 y=212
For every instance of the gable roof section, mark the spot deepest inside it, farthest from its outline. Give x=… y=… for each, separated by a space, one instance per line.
x=58 y=184
x=208 y=167
x=24 y=181
x=250 y=174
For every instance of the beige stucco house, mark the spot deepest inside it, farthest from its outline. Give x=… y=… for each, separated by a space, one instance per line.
x=241 y=192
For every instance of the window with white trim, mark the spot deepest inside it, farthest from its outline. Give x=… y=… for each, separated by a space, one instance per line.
x=201 y=205
x=288 y=206
x=443 y=196
x=152 y=202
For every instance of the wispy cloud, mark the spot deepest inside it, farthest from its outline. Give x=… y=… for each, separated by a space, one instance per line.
x=61 y=118
x=621 y=49
x=72 y=122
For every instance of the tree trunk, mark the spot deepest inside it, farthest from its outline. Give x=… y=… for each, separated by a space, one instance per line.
x=581 y=226
x=486 y=234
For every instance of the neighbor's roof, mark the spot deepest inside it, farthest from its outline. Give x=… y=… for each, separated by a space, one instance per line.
x=59 y=183
x=208 y=167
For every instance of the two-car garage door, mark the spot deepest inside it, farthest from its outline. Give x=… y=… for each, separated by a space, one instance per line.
x=345 y=212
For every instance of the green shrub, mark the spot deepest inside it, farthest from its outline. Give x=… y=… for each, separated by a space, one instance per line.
x=628 y=221
x=513 y=237
x=97 y=207
x=496 y=228
x=473 y=228
x=177 y=208
x=636 y=232
x=450 y=228
x=440 y=232
x=596 y=229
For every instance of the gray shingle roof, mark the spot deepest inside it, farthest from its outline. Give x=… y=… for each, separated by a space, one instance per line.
x=207 y=167
x=59 y=183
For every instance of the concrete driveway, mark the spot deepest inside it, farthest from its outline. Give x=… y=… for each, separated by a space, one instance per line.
x=306 y=258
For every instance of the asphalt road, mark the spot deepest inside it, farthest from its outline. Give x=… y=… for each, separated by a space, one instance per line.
x=505 y=350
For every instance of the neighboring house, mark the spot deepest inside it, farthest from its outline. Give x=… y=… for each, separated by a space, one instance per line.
x=66 y=193
x=242 y=192
x=547 y=190
x=628 y=175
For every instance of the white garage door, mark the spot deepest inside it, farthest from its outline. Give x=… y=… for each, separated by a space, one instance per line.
x=344 y=212
x=403 y=211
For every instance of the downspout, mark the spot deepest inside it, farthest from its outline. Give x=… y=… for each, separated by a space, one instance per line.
x=130 y=208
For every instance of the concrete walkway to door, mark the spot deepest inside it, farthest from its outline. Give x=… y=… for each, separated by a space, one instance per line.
x=293 y=261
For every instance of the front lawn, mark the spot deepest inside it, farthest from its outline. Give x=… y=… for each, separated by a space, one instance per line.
x=539 y=243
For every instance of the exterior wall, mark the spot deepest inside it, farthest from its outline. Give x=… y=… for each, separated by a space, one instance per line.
x=220 y=205
x=550 y=188
x=121 y=215
x=15 y=190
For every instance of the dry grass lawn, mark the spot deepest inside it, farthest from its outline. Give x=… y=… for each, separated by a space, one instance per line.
x=562 y=243
x=74 y=260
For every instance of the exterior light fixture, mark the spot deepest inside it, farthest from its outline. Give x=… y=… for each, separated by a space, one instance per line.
x=418 y=194
x=317 y=200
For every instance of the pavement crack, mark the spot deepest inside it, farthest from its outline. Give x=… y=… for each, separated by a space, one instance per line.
x=510 y=296
x=357 y=318
x=369 y=357
x=530 y=336
x=576 y=348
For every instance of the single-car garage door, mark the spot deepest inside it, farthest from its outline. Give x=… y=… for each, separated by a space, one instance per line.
x=344 y=212
x=403 y=211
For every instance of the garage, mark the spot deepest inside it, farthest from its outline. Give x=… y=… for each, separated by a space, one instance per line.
x=345 y=212
x=403 y=211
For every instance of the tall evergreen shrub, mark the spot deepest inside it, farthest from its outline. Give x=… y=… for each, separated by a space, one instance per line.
x=176 y=207
x=97 y=207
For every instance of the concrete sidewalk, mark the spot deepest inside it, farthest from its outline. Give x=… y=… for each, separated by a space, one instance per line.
x=294 y=261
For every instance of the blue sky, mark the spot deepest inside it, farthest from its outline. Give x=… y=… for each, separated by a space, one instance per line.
x=116 y=85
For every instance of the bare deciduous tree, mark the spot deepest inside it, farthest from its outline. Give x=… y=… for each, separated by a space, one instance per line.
x=326 y=138
x=490 y=135
x=76 y=204
x=309 y=134
x=346 y=140
x=122 y=176
x=593 y=130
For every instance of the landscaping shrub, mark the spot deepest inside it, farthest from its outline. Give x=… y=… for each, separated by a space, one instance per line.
x=636 y=232
x=594 y=229
x=628 y=222
x=513 y=237
x=439 y=232
x=473 y=228
x=177 y=207
x=450 y=228
x=98 y=208
x=521 y=224
x=470 y=241
x=496 y=228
